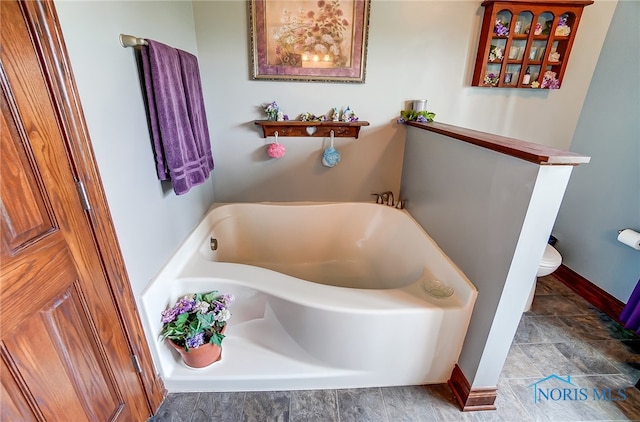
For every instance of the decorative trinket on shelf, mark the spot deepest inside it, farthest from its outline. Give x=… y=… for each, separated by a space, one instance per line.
x=507 y=77
x=538 y=29
x=554 y=57
x=491 y=79
x=274 y=113
x=549 y=81
x=349 y=115
x=308 y=117
x=496 y=54
x=335 y=115
x=345 y=114
x=526 y=79
x=562 y=29
x=514 y=52
x=419 y=105
x=501 y=29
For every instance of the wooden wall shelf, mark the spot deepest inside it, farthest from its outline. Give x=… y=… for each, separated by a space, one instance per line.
x=315 y=129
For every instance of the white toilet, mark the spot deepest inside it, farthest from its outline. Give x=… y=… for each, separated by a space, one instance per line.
x=551 y=260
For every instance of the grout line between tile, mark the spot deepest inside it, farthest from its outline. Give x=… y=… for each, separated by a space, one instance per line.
x=384 y=405
x=244 y=403
x=195 y=406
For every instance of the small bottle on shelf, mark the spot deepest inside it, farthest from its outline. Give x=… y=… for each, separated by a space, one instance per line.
x=526 y=79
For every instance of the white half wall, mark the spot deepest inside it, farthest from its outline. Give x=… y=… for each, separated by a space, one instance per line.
x=492 y=214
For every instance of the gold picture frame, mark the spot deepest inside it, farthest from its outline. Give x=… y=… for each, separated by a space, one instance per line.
x=309 y=40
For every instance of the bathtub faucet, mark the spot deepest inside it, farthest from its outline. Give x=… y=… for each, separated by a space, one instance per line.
x=384 y=198
x=387 y=198
x=378 y=198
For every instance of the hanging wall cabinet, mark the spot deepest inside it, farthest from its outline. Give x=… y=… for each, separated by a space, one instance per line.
x=526 y=44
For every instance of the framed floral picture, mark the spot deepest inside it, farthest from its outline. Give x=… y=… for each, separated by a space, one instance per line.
x=309 y=40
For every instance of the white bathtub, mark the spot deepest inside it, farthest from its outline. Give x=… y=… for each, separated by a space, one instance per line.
x=327 y=296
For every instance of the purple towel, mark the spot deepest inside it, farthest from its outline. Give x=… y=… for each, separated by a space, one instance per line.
x=180 y=153
x=153 y=116
x=631 y=313
x=195 y=107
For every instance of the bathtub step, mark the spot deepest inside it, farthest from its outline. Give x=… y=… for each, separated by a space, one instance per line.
x=250 y=362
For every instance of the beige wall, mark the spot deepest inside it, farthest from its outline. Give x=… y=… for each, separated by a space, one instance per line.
x=417 y=49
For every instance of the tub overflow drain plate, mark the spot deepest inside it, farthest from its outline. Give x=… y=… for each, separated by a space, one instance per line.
x=214 y=244
x=438 y=288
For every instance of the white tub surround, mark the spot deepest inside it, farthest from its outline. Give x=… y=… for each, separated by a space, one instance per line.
x=490 y=202
x=327 y=296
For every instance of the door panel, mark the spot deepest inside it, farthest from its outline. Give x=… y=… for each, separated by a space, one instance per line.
x=57 y=352
x=25 y=216
x=61 y=335
x=15 y=406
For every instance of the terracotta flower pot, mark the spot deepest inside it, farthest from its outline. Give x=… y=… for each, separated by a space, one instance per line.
x=199 y=357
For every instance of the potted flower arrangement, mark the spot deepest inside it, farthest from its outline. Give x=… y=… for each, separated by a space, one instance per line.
x=195 y=326
x=416 y=116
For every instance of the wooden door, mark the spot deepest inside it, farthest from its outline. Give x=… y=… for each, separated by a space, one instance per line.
x=64 y=350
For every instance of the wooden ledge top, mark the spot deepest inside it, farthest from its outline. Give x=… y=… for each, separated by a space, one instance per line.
x=524 y=150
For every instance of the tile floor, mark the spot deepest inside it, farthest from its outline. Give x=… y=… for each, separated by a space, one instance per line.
x=562 y=335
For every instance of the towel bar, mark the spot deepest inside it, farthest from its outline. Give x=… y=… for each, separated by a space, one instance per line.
x=131 y=41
